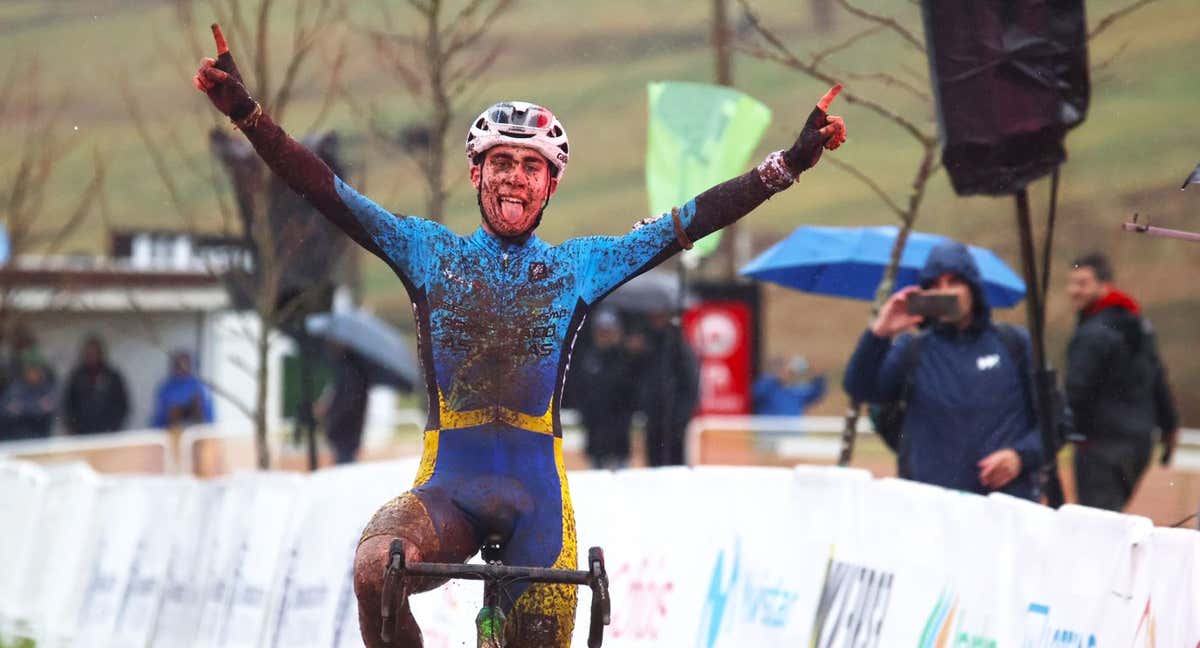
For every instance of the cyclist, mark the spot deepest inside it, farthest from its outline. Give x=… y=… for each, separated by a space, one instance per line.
x=496 y=313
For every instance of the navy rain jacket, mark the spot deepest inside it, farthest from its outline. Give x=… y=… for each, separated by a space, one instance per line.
x=967 y=398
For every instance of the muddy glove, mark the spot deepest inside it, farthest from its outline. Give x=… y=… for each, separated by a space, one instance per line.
x=220 y=80
x=821 y=131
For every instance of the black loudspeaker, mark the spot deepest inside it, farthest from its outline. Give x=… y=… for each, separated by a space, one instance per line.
x=1011 y=78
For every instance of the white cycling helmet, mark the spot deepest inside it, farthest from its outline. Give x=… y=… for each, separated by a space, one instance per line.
x=520 y=123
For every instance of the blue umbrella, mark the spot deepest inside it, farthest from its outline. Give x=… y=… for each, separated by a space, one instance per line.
x=849 y=262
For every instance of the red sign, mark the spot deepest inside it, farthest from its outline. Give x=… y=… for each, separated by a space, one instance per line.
x=719 y=332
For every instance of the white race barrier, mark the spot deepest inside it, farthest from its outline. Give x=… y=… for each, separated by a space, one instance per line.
x=819 y=437
x=714 y=557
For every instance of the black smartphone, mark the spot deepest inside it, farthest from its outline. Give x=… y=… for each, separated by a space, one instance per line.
x=933 y=304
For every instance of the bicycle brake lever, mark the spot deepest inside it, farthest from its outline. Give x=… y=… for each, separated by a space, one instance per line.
x=391 y=583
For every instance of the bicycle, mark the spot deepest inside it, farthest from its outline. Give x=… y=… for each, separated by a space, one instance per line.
x=489 y=623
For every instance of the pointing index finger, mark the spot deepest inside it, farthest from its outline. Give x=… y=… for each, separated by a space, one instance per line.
x=823 y=104
x=222 y=46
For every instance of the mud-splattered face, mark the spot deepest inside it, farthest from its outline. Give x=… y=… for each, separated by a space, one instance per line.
x=514 y=183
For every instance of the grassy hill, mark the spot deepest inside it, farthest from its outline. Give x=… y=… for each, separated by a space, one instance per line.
x=590 y=62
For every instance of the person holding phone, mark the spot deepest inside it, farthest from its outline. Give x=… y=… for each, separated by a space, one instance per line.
x=968 y=421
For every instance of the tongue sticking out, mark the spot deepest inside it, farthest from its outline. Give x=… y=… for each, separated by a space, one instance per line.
x=511 y=212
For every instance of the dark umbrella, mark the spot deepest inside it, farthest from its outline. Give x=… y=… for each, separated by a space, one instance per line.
x=1193 y=177
x=849 y=262
x=651 y=292
x=373 y=339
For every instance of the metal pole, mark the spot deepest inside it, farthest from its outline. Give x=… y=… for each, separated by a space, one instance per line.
x=1035 y=317
x=849 y=434
x=1048 y=244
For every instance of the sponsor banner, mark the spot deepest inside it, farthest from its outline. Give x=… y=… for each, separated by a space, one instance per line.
x=52 y=586
x=765 y=572
x=899 y=550
x=720 y=332
x=1171 y=614
x=1091 y=583
x=113 y=546
x=706 y=558
x=22 y=486
x=658 y=563
x=1016 y=571
x=257 y=562
x=194 y=531
x=147 y=579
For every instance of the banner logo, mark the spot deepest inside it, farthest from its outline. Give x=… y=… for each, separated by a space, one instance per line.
x=946 y=627
x=854 y=601
x=1040 y=633
x=739 y=596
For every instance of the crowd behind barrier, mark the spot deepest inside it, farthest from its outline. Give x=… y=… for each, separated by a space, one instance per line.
x=706 y=557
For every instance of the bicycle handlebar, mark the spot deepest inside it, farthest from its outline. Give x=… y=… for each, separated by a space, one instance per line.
x=595 y=577
x=497 y=572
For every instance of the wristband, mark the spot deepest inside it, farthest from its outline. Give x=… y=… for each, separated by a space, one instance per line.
x=680 y=234
x=774 y=172
x=251 y=120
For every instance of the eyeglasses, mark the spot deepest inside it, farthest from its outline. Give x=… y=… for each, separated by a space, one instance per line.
x=529 y=117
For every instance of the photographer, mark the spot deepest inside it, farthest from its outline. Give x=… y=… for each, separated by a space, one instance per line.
x=968 y=421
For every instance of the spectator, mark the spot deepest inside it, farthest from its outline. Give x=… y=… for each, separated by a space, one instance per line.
x=95 y=399
x=780 y=392
x=28 y=402
x=1116 y=386
x=343 y=407
x=183 y=399
x=668 y=385
x=969 y=422
x=607 y=394
x=21 y=341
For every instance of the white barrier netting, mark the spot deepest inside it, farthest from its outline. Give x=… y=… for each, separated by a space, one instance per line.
x=705 y=557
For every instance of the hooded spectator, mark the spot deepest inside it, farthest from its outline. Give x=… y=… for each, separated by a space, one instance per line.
x=969 y=422
x=183 y=399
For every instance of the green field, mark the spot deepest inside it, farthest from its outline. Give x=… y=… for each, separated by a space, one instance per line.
x=590 y=62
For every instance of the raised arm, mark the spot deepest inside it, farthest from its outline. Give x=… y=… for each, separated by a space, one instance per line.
x=655 y=239
x=300 y=168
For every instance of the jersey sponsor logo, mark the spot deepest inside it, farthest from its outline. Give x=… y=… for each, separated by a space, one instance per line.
x=988 y=361
x=538 y=271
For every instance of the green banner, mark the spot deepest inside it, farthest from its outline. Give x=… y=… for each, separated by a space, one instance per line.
x=698 y=135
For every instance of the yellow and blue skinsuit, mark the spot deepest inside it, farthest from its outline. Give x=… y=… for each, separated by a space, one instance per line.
x=495 y=323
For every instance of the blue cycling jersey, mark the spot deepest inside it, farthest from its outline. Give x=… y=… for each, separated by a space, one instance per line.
x=496 y=319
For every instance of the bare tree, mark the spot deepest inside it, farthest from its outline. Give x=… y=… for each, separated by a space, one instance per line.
x=36 y=123
x=288 y=279
x=439 y=62
x=905 y=83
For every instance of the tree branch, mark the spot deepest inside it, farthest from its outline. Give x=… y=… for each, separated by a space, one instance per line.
x=890 y=23
x=1113 y=17
x=869 y=182
x=784 y=56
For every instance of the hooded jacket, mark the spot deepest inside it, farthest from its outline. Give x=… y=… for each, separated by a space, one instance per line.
x=967 y=397
x=1116 y=384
